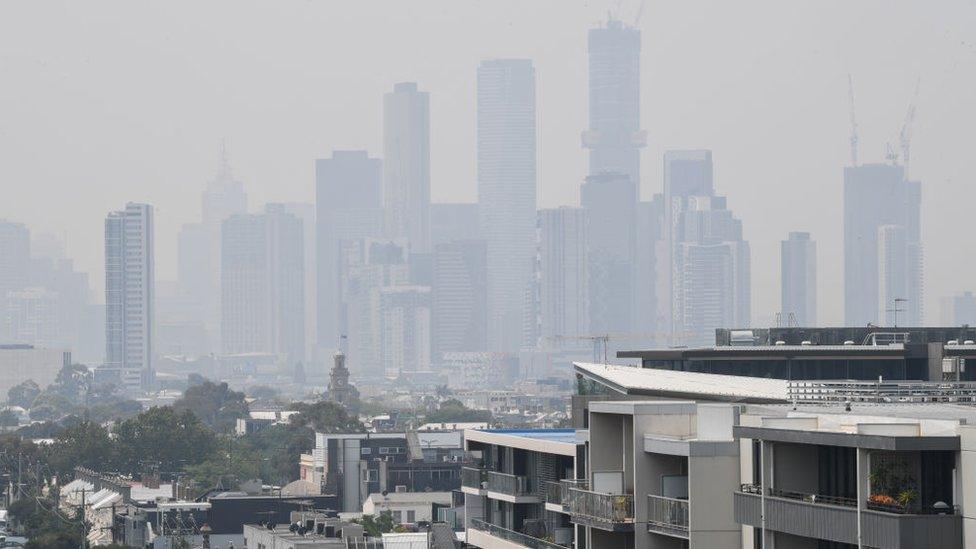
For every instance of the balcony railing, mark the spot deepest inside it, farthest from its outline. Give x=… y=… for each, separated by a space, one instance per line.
x=472 y=477
x=667 y=515
x=513 y=536
x=910 y=509
x=837 y=519
x=510 y=485
x=557 y=493
x=600 y=510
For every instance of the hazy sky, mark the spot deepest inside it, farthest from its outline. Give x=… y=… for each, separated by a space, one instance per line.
x=114 y=101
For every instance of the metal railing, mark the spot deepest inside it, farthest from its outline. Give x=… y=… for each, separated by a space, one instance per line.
x=668 y=515
x=513 y=536
x=611 y=508
x=511 y=485
x=472 y=477
x=880 y=392
x=819 y=499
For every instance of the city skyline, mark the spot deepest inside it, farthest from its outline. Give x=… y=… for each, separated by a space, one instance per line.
x=883 y=95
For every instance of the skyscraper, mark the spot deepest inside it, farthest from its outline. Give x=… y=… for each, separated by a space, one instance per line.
x=404 y=321
x=876 y=196
x=263 y=284
x=614 y=137
x=459 y=296
x=959 y=309
x=129 y=295
x=610 y=201
x=406 y=167
x=711 y=271
x=507 y=191
x=348 y=206
x=370 y=265
x=687 y=173
x=563 y=267
x=198 y=259
x=798 y=280
x=454 y=221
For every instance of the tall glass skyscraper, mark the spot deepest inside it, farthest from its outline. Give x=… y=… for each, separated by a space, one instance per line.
x=129 y=295
x=614 y=137
x=507 y=191
x=406 y=165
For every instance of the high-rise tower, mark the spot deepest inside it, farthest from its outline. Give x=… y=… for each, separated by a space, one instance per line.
x=614 y=137
x=406 y=166
x=507 y=191
x=129 y=295
x=798 y=280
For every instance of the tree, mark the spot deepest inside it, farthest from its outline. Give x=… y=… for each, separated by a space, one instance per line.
x=23 y=394
x=263 y=392
x=325 y=417
x=216 y=405
x=72 y=382
x=454 y=411
x=86 y=444
x=375 y=525
x=168 y=438
x=9 y=418
x=232 y=464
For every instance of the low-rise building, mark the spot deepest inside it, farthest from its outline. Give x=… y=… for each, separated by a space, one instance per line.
x=408 y=507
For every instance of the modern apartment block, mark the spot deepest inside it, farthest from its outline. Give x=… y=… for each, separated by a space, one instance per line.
x=130 y=296
x=884 y=477
x=798 y=280
x=518 y=492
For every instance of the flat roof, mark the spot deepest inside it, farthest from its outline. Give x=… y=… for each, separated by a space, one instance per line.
x=749 y=351
x=548 y=441
x=632 y=380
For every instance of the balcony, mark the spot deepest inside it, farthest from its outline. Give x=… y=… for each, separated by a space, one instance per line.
x=835 y=519
x=611 y=512
x=491 y=536
x=472 y=481
x=557 y=494
x=668 y=516
x=511 y=488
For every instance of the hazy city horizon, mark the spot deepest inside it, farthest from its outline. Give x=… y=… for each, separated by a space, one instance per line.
x=92 y=125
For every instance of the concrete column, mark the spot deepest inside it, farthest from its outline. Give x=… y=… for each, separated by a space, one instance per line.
x=863 y=487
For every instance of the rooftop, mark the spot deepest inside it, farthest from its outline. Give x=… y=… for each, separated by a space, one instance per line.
x=550 y=441
x=631 y=380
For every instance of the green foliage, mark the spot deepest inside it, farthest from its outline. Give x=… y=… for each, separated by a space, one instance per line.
x=86 y=444
x=215 y=404
x=230 y=465
x=165 y=437
x=23 y=395
x=375 y=525
x=453 y=411
x=8 y=418
x=325 y=417
x=43 y=527
x=263 y=392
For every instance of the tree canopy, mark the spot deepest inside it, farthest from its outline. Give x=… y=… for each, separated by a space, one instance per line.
x=216 y=405
x=454 y=411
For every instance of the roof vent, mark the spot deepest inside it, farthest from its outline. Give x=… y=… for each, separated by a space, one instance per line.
x=780 y=342
x=806 y=342
x=952 y=342
x=848 y=342
x=969 y=342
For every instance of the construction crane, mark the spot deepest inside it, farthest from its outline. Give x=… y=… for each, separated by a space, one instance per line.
x=850 y=93
x=905 y=137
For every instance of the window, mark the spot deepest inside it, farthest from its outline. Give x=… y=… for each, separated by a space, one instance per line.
x=411 y=516
x=365 y=451
x=397 y=516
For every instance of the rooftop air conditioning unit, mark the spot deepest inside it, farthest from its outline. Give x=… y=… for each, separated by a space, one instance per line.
x=806 y=342
x=780 y=342
x=401 y=488
x=848 y=342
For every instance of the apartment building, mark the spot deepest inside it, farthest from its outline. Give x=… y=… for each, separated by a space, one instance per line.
x=880 y=476
x=517 y=493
